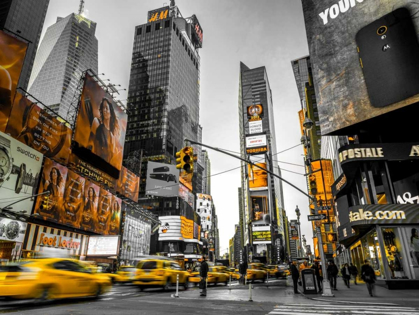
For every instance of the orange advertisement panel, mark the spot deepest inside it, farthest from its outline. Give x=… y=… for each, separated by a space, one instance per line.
x=103 y=211
x=88 y=217
x=128 y=184
x=73 y=200
x=101 y=124
x=115 y=217
x=36 y=128
x=186 y=228
x=258 y=178
x=53 y=180
x=12 y=56
x=186 y=179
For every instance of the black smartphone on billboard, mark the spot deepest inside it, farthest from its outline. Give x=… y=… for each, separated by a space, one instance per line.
x=389 y=56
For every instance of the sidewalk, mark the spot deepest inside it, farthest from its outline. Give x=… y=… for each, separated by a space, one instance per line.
x=358 y=294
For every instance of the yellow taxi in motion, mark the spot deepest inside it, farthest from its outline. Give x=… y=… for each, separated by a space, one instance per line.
x=256 y=272
x=271 y=270
x=234 y=273
x=160 y=273
x=215 y=276
x=53 y=278
x=125 y=274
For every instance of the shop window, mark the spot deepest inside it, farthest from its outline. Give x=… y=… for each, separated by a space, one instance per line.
x=396 y=256
x=371 y=252
x=413 y=239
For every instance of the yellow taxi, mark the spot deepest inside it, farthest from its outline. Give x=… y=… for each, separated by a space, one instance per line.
x=53 y=278
x=160 y=273
x=125 y=274
x=234 y=273
x=256 y=271
x=215 y=276
x=271 y=270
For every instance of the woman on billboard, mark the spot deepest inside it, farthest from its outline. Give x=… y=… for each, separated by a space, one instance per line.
x=114 y=221
x=89 y=210
x=103 y=214
x=105 y=133
x=54 y=185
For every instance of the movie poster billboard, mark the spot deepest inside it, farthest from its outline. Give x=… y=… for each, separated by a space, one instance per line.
x=258 y=178
x=364 y=59
x=36 y=128
x=12 y=56
x=101 y=124
x=88 y=218
x=53 y=179
x=162 y=180
x=20 y=168
x=128 y=184
x=73 y=200
x=259 y=204
x=115 y=216
x=103 y=211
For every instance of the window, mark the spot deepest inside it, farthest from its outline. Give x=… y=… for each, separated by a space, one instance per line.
x=167 y=24
x=148 y=29
x=139 y=31
x=157 y=26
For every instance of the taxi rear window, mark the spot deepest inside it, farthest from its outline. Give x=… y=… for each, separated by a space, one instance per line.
x=148 y=265
x=12 y=268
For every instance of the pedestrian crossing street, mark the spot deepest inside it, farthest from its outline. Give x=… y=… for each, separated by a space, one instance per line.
x=332 y=309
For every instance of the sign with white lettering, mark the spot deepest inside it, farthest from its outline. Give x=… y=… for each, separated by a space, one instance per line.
x=255 y=126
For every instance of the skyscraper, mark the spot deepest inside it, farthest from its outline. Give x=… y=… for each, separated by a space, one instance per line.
x=163 y=96
x=26 y=19
x=68 y=48
x=262 y=194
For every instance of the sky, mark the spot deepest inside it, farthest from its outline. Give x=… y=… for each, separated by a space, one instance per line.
x=267 y=33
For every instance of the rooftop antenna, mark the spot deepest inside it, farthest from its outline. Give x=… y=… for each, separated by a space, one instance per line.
x=81 y=7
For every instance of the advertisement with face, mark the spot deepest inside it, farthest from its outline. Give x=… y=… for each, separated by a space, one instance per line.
x=128 y=184
x=36 y=128
x=20 y=167
x=104 y=211
x=162 y=180
x=12 y=56
x=364 y=57
x=115 y=217
x=170 y=228
x=12 y=230
x=88 y=218
x=101 y=124
x=258 y=178
x=259 y=204
x=73 y=200
x=53 y=179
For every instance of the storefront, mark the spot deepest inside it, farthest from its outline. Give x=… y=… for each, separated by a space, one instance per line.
x=43 y=241
x=12 y=234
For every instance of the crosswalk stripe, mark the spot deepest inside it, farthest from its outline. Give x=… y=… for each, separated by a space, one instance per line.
x=363 y=307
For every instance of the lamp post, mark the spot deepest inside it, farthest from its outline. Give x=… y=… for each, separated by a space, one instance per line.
x=299 y=249
x=305 y=140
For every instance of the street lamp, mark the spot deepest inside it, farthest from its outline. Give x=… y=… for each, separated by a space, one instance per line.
x=298 y=213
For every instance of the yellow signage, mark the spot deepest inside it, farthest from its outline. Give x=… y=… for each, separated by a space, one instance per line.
x=159 y=15
x=186 y=228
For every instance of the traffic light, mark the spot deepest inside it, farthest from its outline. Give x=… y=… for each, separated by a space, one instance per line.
x=45 y=203
x=185 y=159
x=312 y=184
x=332 y=237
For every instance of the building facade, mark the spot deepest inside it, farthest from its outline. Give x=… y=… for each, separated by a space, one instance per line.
x=26 y=19
x=68 y=48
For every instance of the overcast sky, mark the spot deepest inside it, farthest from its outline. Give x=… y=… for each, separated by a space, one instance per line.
x=267 y=33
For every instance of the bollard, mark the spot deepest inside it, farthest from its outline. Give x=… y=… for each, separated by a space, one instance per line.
x=230 y=281
x=267 y=276
x=177 y=286
x=250 y=292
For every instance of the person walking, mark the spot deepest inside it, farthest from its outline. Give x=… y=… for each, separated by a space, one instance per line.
x=318 y=273
x=354 y=272
x=243 y=271
x=368 y=275
x=295 y=274
x=203 y=272
x=332 y=273
x=346 y=275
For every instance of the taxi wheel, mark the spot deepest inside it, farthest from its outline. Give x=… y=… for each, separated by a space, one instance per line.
x=141 y=288
x=186 y=284
x=98 y=292
x=44 y=295
x=167 y=285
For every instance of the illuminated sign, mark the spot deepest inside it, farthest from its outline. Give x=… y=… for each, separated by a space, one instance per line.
x=255 y=127
x=197 y=32
x=51 y=240
x=255 y=141
x=255 y=112
x=103 y=245
x=261 y=234
x=158 y=15
x=186 y=228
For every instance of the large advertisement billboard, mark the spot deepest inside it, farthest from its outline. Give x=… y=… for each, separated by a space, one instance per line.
x=258 y=178
x=12 y=230
x=101 y=124
x=260 y=208
x=128 y=184
x=103 y=246
x=162 y=180
x=36 y=128
x=12 y=56
x=76 y=201
x=364 y=58
x=20 y=167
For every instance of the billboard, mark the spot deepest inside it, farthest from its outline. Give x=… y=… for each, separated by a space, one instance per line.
x=88 y=217
x=186 y=195
x=256 y=144
x=258 y=178
x=36 y=128
x=364 y=58
x=100 y=126
x=197 y=32
x=103 y=246
x=261 y=234
x=136 y=238
x=12 y=56
x=73 y=200
x=255 y=126
x=20 y=167
x=162 y=180
x=259 y=204
x=128 y=184
x=12 y=230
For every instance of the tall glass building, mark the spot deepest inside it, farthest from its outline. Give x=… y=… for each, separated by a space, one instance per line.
x=68 y=48
x=26 y=19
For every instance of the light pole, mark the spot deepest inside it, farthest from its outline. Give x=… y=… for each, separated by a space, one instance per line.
x=298 y=213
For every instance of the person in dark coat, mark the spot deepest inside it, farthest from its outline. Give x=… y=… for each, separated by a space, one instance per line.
x=346 y=274
x=318 y=273
x=332 y=273
x=295 y=274
x=368 y=275
x=203 y=272
x=354 y=272
x=243 y=271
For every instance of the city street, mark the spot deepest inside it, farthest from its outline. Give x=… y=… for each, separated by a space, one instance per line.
x=275 y=297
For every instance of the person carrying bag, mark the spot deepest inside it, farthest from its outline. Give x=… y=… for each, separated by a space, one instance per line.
x=203 y=272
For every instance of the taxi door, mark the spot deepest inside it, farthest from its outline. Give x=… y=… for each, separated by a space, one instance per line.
x=176 y=271
x=69 y=278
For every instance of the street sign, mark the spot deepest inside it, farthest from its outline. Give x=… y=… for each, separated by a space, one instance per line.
x=315 y=217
